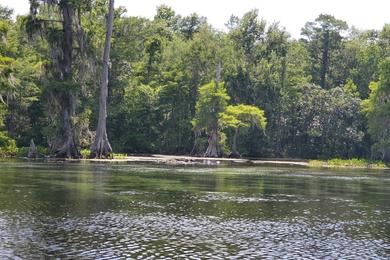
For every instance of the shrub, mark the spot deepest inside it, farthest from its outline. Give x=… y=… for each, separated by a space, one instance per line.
x=7 y=146
x=22 y=152
x=85 y=153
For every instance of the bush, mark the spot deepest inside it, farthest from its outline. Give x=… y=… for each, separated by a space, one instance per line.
x=7 y=146
x=23 y=151
x=85 y=153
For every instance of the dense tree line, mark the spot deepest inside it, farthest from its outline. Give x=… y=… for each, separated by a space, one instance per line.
x=178 y=86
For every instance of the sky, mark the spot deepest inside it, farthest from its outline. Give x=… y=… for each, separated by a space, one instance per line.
x=292 y=14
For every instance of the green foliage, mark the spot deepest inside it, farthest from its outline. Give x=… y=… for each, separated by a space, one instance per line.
x=365 y=55
x=223 y=142
x=243 y=116
x=377 y=109
x=5 y=13
x=249 y=32
x=298 y=64
x=190 y=25
x=7 y=145
x=323 y=123
x=119 y=156
x=212 y=101
x=83 y=134
x=137 y=121
x=23 y=151
x=3 y=112
x=165 y=13
x=157 y=65
x=317 y=163
x=351 y=88
x=85 y=153
x=323 y=39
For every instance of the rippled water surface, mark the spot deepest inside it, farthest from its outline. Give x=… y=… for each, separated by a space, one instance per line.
x=73 y=210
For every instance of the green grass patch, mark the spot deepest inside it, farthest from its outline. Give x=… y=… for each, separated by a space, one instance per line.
x=85 y=153
x=119 y=155
x=317 y=163
x=348 y=163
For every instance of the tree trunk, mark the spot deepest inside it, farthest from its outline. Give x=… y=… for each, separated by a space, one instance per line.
x=325 y=61
x=213 y=147
x=218 y=74
x=68 y=98
x=32 y=151
x=193 y=151
x=67 y=47
x=68 y=149
x=283 y=72
x=235 y=153
x=101 y=147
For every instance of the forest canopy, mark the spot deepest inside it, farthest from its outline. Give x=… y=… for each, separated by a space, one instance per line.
x=176 y=85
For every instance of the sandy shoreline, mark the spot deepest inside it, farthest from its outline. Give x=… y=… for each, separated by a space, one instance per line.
x=199 y=161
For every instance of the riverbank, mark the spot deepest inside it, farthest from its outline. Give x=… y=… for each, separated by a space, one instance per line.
x=199 y=161
x=206 y=161
x=183 y=160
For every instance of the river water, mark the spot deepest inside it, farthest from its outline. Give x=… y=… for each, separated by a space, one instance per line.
x=118 y=211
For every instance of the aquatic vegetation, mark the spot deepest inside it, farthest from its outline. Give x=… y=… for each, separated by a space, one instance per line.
x=348 y=163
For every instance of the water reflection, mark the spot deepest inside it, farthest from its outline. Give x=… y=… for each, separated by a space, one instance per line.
x=136 y=211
